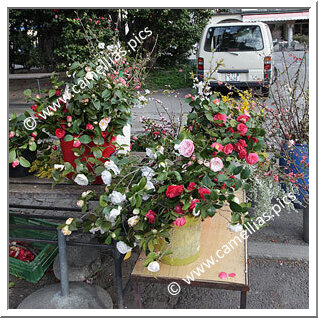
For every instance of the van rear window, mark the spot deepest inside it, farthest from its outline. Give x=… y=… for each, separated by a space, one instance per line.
x=234 y=38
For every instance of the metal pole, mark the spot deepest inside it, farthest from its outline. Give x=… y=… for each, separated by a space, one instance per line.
x=38 y=83
x=118 y=257
x=63 y=263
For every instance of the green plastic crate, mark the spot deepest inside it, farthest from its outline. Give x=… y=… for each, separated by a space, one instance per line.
x=33 y=271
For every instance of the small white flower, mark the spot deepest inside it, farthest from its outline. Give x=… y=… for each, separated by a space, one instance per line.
x=153 y=267
x=101 y=45
x=96 y=229
x=86 y=193
x=117 y=198
x=147 y=91
x=81 y=179
x=106 y=177
x=235 y=227
x=149 y=185
x=133 y=220
x=65 y=230
x=147 y=172
x=69 y=221
x=136 y=211
x=110 y=165
x=150 y=153
x=59 y=167
x=160 y=149
x=112 y=215
x=89 y=75
x=80 y=203
x=103 y=124
x=122 y=247
x=145 y=197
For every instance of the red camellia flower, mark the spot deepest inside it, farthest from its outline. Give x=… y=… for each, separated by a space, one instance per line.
x=216 y=102
x=156 y=133
x=242 y=129
x=89 y=126
x=242 y=142
x=179 y=221
x=203 y=191
x=54 y=147
x=230 y=129
x=58 y=92
x=192 y=204
x=242 y=153
x=243 y=118
x=174 y=190
x=34 y=107
x=219 y=116
x=191 y=186
x=254 y=139
x=238 y=147
x=151 y=215
x=228 y=149
x=178 y=209
x=252 y=158
x=59 y=133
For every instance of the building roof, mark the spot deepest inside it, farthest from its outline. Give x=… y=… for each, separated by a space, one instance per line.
x=288 y=16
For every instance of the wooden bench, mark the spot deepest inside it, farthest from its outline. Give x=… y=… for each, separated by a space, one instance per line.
x=214 y=236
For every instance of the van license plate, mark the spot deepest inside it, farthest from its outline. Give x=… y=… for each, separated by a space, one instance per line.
x=232 y=77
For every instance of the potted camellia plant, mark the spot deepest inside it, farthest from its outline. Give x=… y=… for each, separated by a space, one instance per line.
x=158 y=203
x=92 y=111
x=22 y=146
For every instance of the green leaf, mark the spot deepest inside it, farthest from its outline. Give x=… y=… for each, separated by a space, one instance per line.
x=237 y=170
x=97 y=153
x=207 y=181
x=24 y=163
x=221 y=177
x=96 y=104
x=85 y=139
x=51 y=92
x=12 y=155
x=235 y=207
x=68 y=138
x=27 y=93
x=142 y=183
x=245 y=173
x=98 y=140
x=106 y=94
x=32 y=147
x=138 y=200
x=98 y=171
x=209 y=116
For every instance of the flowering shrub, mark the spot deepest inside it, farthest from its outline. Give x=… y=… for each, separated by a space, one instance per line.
x=193 y=173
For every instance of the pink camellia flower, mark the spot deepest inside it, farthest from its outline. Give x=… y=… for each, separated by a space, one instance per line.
x=186 y=148
x=15 y=163
x=216 y=102
x=59 y=133
x=76 y=143
x=228 y=149
x=68 y=119
x=232 y=275
x=180 y=71
x=242 y=153
x=151 y=215
x=217 y=146
x=189 y=96
x=192 y=204
x=223 y=275
x=252 y=158
x=89 y=126
x=179 y=221
x=191 y=186
x=242 y=129
x=243 y=118
x=216 y=164
x=276 y=178
x=11 y=134
x=220 y=117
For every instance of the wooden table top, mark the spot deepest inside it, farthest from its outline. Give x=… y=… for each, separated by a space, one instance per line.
x=214 y=236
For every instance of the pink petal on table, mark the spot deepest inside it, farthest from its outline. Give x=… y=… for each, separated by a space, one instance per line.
x=232 y=275
x=223 y=275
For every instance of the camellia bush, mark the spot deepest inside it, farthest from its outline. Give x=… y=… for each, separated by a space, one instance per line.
x=194 y=173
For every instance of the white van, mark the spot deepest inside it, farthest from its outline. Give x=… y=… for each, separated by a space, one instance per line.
x=246 y=50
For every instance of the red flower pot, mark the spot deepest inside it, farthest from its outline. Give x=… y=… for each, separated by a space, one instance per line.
x=69 y=156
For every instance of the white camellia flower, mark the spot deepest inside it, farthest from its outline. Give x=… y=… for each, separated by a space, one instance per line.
x=96 y=229
x=106 y=177
x=150 y=153
x=69 y=221
x=110 y=165
x=160 y=149
x=153 y=267
x=147 y=91
x=147 y=172
x=81 y=179
x=145 y=197
x=80 y=203
x=86 y=193
x=235 y=227
x=101 y=45
x=112 y=215
x=89 y=75
x=59 y=167
x=149 y=185
x=65 y=230
x=133 y=220
x=103 y=124
x=236 y=200
x=122 y=247
x=117 y=198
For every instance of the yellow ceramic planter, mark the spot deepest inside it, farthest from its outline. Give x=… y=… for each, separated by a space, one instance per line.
x=184 y=243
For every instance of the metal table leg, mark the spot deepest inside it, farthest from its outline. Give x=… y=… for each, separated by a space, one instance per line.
x=118 y=257
x=137 y=298
x=38 y=84
x=243 y=300
x=63 y=263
